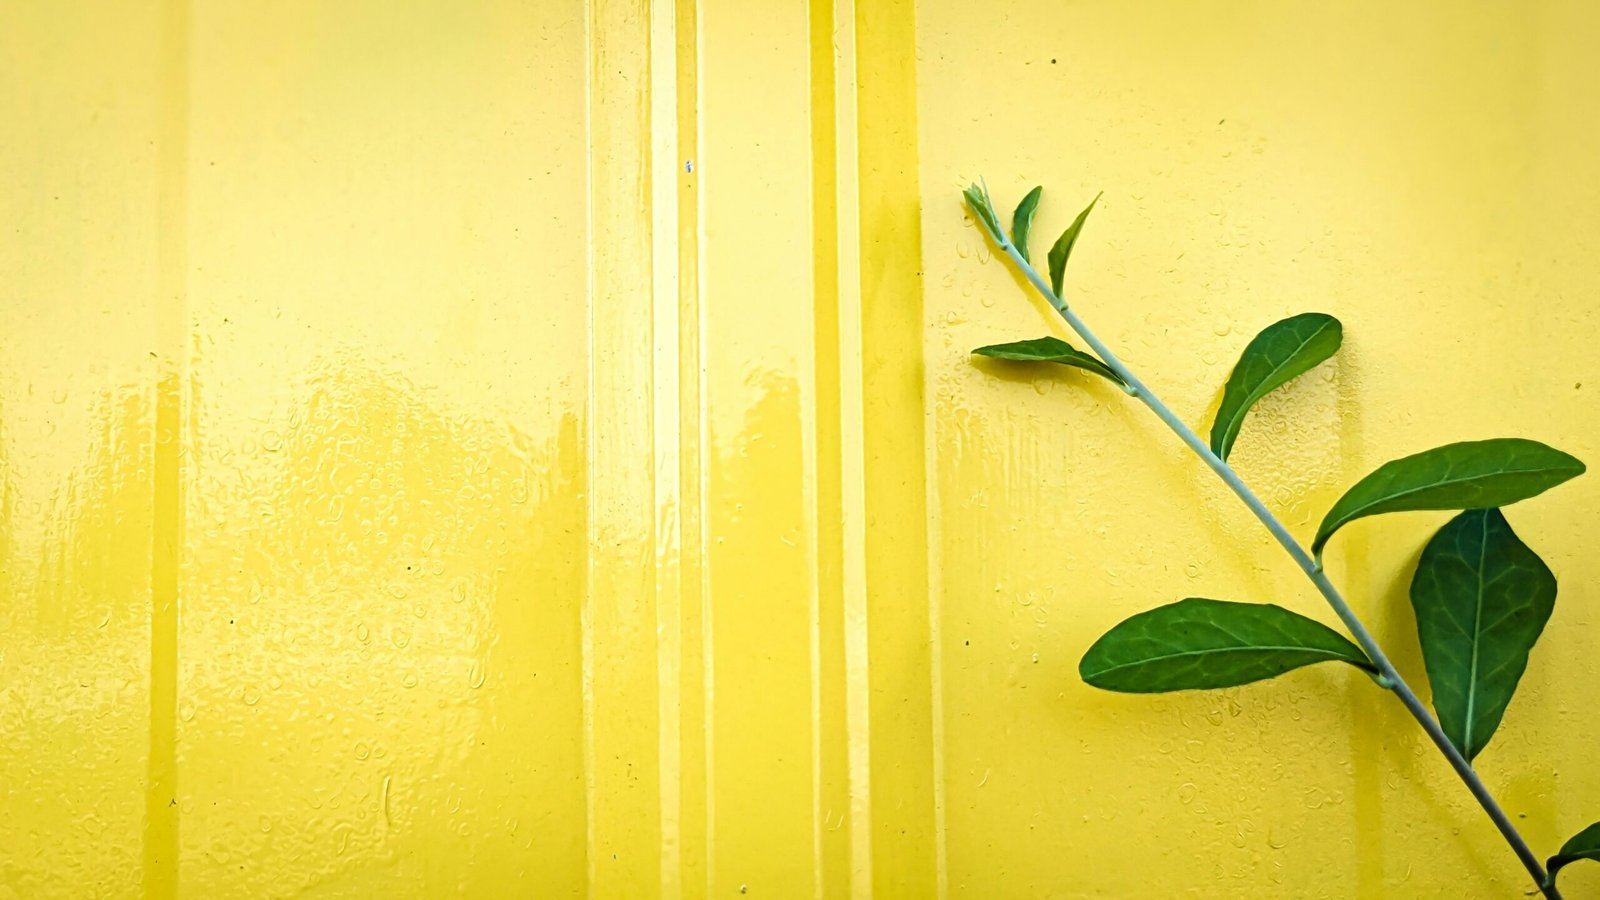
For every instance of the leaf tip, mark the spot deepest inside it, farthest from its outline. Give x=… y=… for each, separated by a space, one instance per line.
x=977 y=197
x=1221 y=441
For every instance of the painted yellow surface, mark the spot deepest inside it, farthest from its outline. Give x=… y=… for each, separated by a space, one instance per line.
x=513 y=449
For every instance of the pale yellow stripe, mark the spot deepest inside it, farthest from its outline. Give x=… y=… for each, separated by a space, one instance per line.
x=823 y=333
x=853 y=447
x=693 y=685
x=666 y=436
x=620 y=675
x=707 y=619
x=809 y=427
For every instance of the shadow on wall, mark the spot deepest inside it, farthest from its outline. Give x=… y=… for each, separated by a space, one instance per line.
x=379 y=650
x=384 y=629
x=73 y=661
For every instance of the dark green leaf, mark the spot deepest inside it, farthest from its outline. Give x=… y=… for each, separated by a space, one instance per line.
x=1279 y=353
x=1468 y=475
x=1197 y=643
x=1052 y=350
x=1481 y=597
x=978 y=200
x=1584 y=845
x=1062 y=251
x=1022 y=220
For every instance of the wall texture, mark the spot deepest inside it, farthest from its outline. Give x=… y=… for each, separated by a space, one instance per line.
x=530 y=449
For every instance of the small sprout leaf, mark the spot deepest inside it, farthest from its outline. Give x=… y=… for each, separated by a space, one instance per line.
x=1062 y=251
x=1022 y=220
x=983 y=210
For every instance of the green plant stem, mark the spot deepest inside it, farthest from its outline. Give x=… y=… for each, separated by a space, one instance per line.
x=1388 y=676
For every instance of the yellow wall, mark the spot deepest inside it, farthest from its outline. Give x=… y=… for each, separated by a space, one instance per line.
x=529 y=449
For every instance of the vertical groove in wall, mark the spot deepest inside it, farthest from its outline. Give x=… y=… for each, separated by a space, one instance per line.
x=832 y=826
x=667 y=439
x=586 y=612
x=693 y=686
x=852 y=445
x=621 y=680
x=160 y=851
x=904 y=845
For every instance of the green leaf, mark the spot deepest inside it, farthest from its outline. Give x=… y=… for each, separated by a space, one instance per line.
x=1584 y=845
x=1198 y=643
x=1482 y=597
x=1282 y=351
x=1062 y=251
x=978 y=200
x=1051 y=350
x=1468 y=475
x=1022 y=220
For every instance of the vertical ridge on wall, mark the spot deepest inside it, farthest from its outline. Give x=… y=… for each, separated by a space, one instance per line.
x=905 y=855
x=868 y=321
x=621 y=710
x=833 y=826
x=755 y=208
x=160 y=878
x=693 y=682
x=675 y=70
x=852 y=444
x=666 y=435
x=678 y=467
